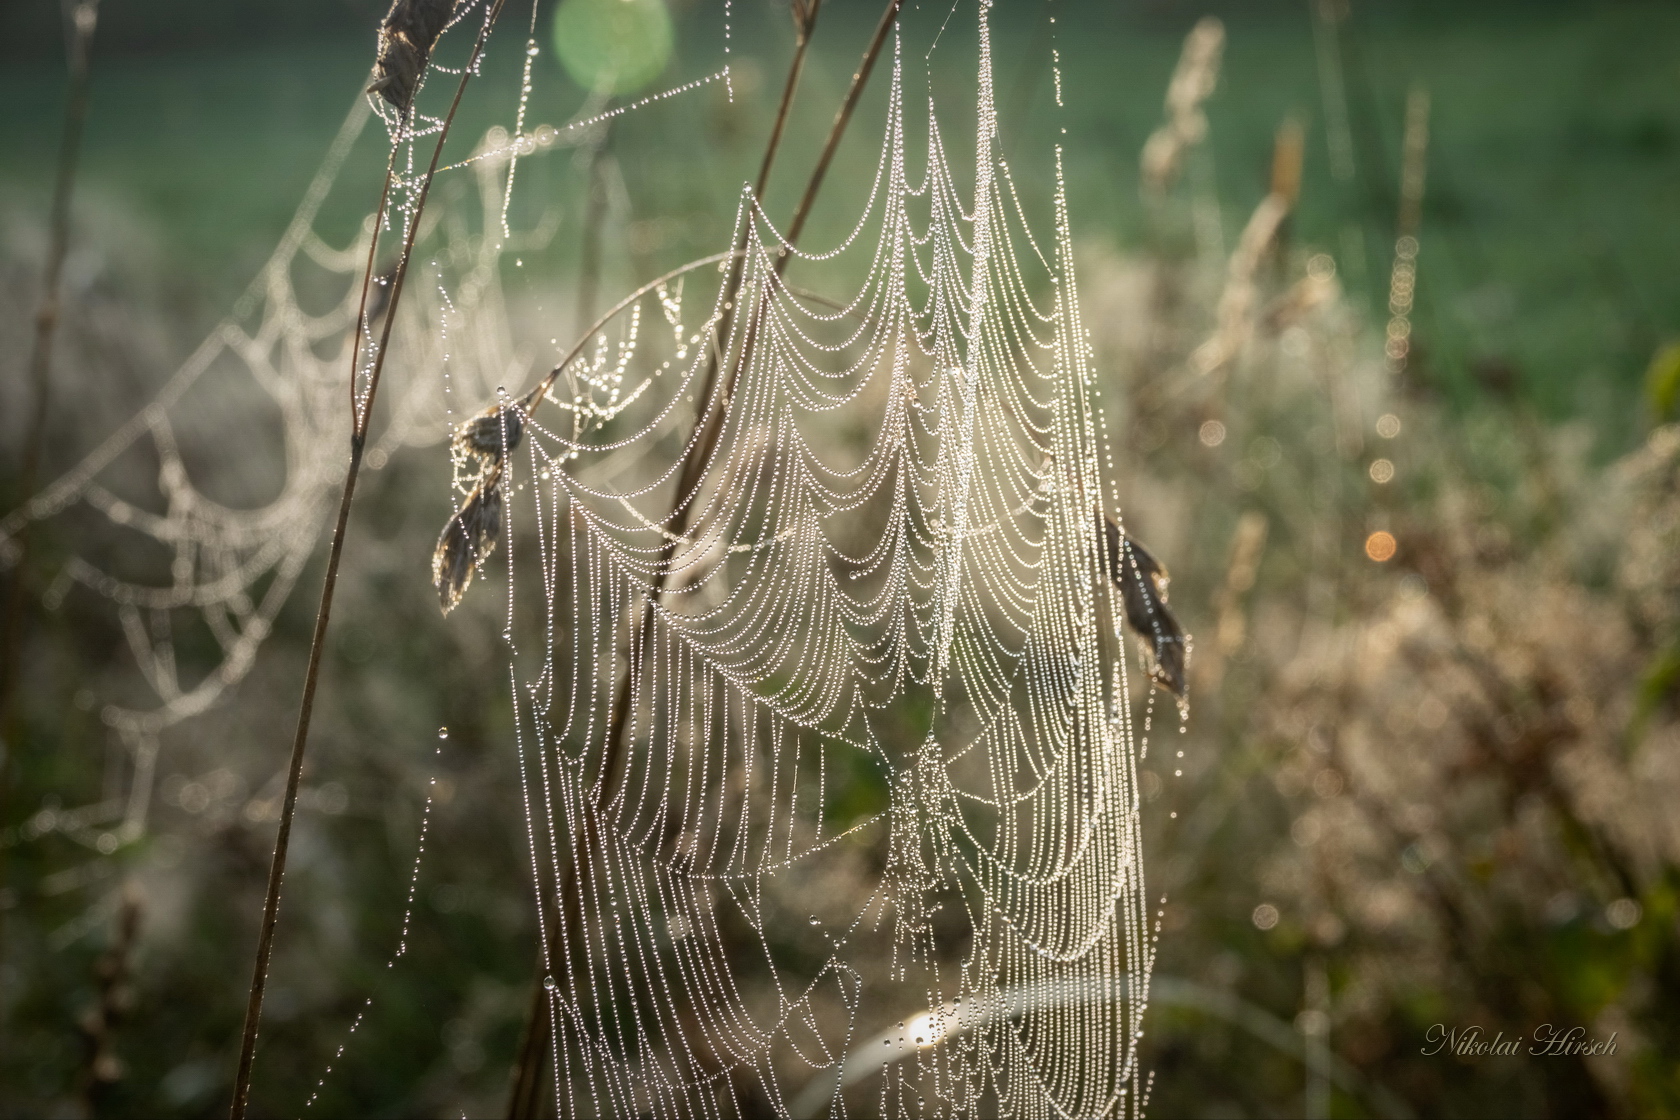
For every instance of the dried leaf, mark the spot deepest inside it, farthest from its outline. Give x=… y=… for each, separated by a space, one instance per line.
x=1143 y=592
x=466 y=542
x=491 y=433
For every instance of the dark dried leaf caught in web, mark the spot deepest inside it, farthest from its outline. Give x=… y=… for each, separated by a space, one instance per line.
x=406 y=38
x=1143 y=591
x=491 y=433
x=466 y=541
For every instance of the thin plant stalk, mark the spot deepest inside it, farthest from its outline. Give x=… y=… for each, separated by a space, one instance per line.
x=84 y=18
x=537 y=1042
x=532 y=399
x=113 y=975
x=361 y=418
x=842 y=118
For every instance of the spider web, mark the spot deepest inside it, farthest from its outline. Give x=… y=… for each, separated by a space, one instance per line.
x=171 y=558
x=867 y=664
x=881 y=764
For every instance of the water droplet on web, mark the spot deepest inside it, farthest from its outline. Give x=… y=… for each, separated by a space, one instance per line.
x=815 y=921
x=443 y=733
x=551 y=984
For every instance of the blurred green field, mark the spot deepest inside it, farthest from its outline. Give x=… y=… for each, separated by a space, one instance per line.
x=1548 y=237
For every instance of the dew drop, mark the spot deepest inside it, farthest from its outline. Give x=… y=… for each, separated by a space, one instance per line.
x=815 y=921
x=551 y=984
x=443 y=733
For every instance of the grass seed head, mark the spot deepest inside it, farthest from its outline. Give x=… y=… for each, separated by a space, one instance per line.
x=406 y=38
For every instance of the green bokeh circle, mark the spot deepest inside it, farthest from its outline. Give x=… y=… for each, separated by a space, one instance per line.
x=613 y=46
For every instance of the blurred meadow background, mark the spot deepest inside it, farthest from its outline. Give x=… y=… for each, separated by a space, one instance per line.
x=1389 y=358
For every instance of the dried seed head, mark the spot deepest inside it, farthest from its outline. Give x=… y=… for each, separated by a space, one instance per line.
x=1142 y=582
x=491 y=433
x=467 y=541
x=406 y=38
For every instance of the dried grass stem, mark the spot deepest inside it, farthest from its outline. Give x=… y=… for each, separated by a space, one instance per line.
x=84 y=19
x=361 y=416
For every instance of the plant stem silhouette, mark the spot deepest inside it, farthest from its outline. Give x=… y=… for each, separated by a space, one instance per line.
x=361 y=416
x=84 y=18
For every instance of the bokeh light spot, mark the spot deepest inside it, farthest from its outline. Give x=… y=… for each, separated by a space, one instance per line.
x=613 y=46
x=1624 y=913
x=1380 y=546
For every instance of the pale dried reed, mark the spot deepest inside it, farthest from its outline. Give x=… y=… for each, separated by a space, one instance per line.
x=1193 y=82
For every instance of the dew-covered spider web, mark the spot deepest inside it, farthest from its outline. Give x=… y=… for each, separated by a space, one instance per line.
x=830 y=732
x=822 y=707
x=230 y=570
x=168 y=556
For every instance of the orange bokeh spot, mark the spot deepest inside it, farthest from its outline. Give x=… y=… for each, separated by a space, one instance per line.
x=1380 y=546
